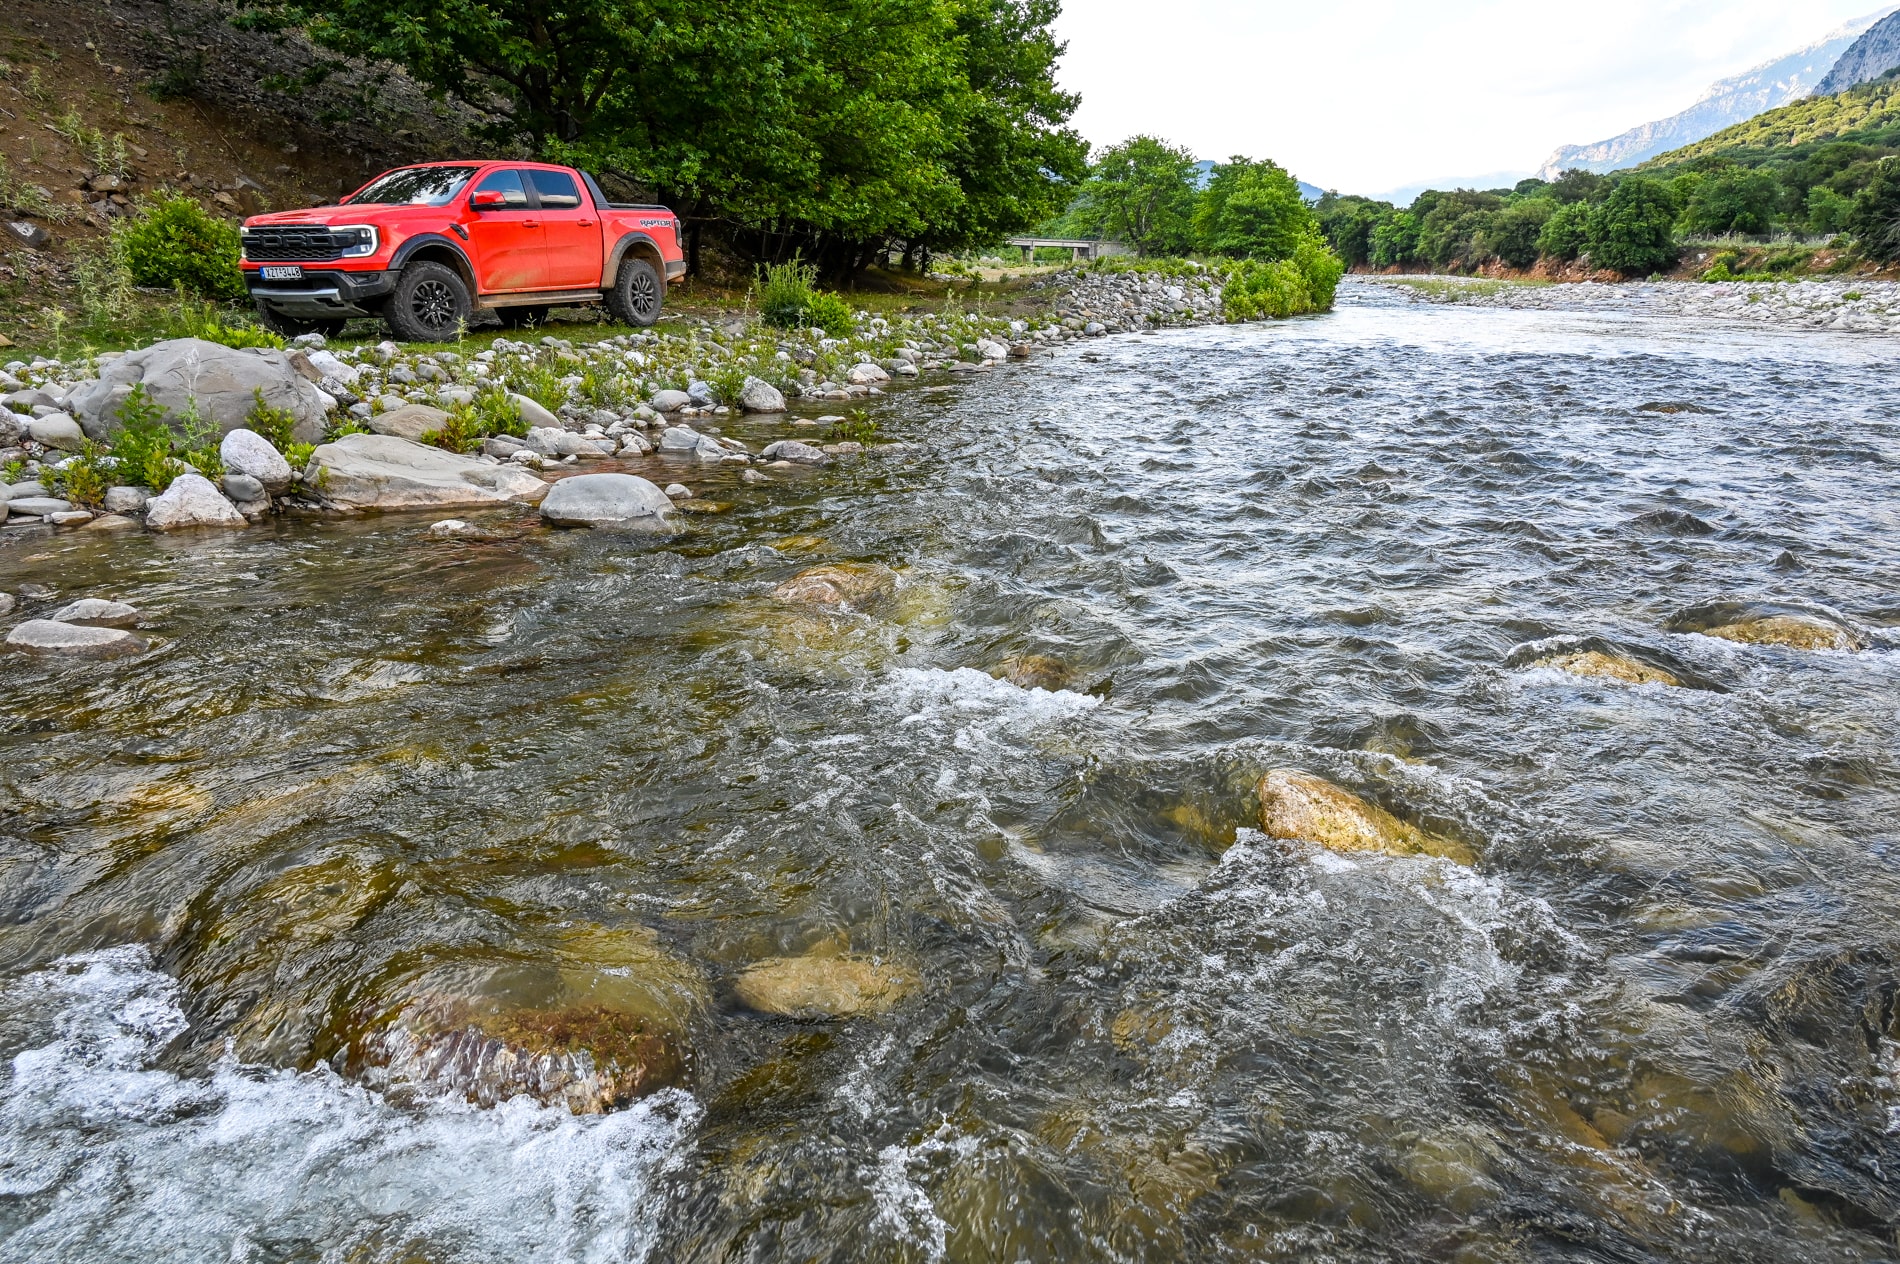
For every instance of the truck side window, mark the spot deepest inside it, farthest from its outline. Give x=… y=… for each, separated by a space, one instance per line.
x=508 y=184
x=557 y=190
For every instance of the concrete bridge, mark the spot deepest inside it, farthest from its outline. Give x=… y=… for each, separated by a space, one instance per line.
x=1081 y=248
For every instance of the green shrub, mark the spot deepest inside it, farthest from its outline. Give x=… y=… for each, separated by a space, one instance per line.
x=197 y=319
x=1566 y=234
x=859 y=427
x=788 y=298
x=496 y=414
x=84 y=479
x=458 y=432
x=174 y=242
x=275 y=424
x=1633 y=231
x=1876 y=220
x=540 y=381
x=142 y=446
x=1256 y=289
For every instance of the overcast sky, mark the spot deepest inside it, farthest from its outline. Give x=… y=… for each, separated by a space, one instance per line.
x=1369 y=95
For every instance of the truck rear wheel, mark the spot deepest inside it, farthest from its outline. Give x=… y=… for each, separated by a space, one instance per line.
x=429 y=304
x=635 y=298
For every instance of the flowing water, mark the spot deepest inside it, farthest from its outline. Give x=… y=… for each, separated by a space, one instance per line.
x=1655 y=1020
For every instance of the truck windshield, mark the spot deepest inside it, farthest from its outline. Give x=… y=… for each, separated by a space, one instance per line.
x=414 y=186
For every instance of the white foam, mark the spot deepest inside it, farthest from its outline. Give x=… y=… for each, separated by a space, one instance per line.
x=966 y=694
x=115 y=1159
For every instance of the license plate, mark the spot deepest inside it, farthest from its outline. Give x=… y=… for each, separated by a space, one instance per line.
x=283 y=274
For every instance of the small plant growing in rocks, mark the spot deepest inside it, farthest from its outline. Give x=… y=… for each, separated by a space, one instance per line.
x=275 y=424
x=84 y=478
x=142 y=447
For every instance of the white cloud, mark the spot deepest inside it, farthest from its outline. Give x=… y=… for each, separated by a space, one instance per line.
x=1372 y=94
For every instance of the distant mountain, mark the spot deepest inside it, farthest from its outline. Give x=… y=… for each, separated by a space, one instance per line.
x=1726 y=103
x=1870 y=56
x=1204 y=170
x=1865 y=115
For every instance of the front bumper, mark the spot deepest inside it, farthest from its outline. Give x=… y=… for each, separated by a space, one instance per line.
x=322 y=293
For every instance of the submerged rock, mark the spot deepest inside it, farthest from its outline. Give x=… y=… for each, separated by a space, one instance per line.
x=824 y=987
x=49 y=636
x=849 y=585
x=368 y=471
x=1035 y=671
x=589 y=1058
x=1298 y=805
x=1792 y=627
x=92 y=612
x=191 y=501
x=1599 y=665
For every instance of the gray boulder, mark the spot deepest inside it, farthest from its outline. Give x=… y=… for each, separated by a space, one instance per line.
x=533 y=413
x=866 y=373
x=685 y=441
x=129 y=500
x=369 y=471
x=32 y=487
x=670 y=401
x=49 y=636
x=758 y=396
x=7 y=602
x=56 y=430
x=191 y=501
x=554 y=441
x=93 y=612
x=411 y=421
x=222 y=381
x=242 y=487
x=597 y=500
x=701 y=394
x=37 y=506
x=247 y=452
x=793 y=450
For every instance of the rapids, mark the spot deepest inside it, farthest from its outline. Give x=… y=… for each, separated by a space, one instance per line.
x=1658 y=1019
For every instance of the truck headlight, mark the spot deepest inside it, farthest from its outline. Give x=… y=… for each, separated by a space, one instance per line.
x=356 y=240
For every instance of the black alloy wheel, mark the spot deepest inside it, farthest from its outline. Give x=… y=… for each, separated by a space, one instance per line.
x=429 y=304
x=637 y=293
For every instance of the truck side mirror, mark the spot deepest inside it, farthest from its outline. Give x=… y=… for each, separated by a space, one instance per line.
x=487 y=200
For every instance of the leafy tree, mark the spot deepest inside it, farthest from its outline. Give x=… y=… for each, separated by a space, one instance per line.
x=1511 y=234
x=1566 y=234
x=1394 y=240
x=1876 y=221
x=1634 y=229
x=1449 y=223
x=1142 y=192
x=1735 y=200
x=1252 y=210
x=1349 y=223
x=1577 y=185
x=1829 y=212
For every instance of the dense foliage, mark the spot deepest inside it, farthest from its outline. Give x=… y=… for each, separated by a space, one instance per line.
x=1817 y=168
x=835 y=128
x=175 y=243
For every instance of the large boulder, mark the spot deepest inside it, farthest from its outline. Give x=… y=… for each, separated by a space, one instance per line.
x=223 y=382
x=670 y=401
x=685 y=441
x=759 y=396
x=1601 y=665
x=247 y=452
x=411 y=421
x=191 y=501
x=1298 y=805
x=555 y=441
x=1769 y=623
x=50 y=637
x=603 y=500
x=533 y=413
x=370 y=471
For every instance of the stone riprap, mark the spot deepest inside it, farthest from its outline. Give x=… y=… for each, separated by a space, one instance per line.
x=1128 y=301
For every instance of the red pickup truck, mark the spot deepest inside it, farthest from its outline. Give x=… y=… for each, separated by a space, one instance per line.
x=429 y=246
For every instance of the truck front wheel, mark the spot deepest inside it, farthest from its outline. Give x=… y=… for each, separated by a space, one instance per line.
x=635 y=298
x=429 y=304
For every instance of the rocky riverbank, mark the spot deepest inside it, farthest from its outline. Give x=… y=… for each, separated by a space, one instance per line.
x=1129 y=300
x=1871 y=307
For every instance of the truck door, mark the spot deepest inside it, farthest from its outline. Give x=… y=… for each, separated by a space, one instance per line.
x=507 y=242
x=573 y=231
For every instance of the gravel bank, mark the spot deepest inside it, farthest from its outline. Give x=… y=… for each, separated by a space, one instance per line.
x=1854 y=306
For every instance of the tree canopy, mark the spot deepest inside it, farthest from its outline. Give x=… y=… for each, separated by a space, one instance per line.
x=829 y=126
x=1141 y=192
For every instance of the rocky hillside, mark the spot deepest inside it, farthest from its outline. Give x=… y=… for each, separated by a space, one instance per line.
x=101 y=104
x=1871 y=56
x=1869 y=114
x=1726 y=103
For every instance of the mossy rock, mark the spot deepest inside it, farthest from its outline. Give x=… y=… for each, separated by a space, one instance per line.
x=1034 y=671
x=816 y=987
x=1598 y=665
x=840 y=585
x=1298 y=805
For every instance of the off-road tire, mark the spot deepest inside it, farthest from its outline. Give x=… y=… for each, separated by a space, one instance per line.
x=521 y=317
x=637 y=293
x=291 y=327
x=429 y=304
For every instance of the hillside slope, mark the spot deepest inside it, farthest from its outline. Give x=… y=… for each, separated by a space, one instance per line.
x=1871 y=56
x=1867 y=115
x=1726 y=103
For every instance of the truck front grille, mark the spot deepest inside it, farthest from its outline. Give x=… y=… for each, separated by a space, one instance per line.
x=295 y=242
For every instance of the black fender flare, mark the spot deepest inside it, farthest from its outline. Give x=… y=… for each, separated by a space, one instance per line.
x=611 y=268
x=424 y=241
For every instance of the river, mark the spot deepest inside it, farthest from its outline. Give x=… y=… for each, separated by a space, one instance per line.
x=1658 y=1019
